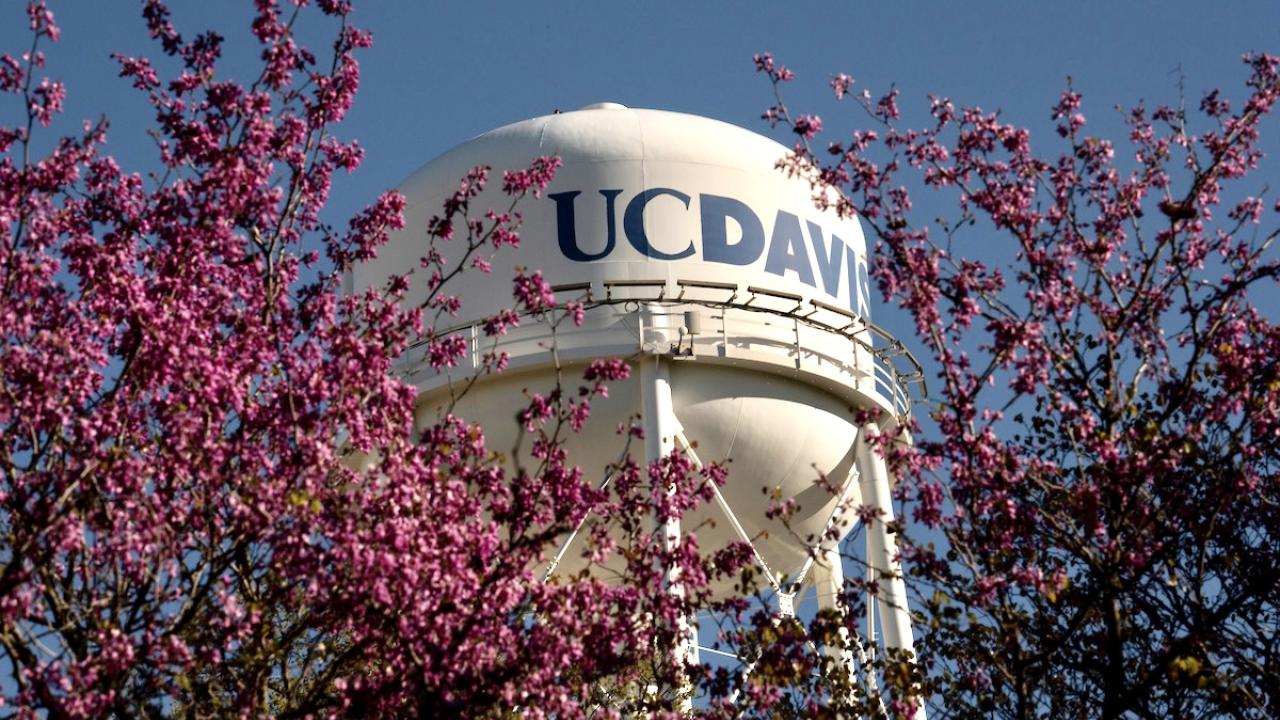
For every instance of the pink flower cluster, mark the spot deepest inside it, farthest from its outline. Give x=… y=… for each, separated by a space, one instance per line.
x=215 y=496
x=1102 y=439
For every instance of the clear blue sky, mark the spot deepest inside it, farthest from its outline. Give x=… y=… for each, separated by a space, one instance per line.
x=442 y=72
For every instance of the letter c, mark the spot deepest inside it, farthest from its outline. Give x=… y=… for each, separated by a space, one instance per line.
x=633 y=224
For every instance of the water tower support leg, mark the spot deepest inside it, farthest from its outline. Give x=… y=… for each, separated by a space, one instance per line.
x=882 y=556
x=661 y=428
x=829 y=582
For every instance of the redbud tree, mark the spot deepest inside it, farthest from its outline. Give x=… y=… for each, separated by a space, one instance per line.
x=214 y=499
x=1093 y=499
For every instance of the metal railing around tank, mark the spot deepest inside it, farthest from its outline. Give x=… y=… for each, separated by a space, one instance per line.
x=896 y=373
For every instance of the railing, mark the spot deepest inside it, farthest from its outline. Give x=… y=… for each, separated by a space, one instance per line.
x=742 y=318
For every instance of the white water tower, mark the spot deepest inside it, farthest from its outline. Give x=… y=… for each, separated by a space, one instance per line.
x=743 y=309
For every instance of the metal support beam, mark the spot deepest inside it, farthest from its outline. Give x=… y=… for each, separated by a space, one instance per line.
x=827 y=566
x=882 y=552
x=829 y=584
x=661 y=428
x=850 y=497
x=568 y=541
x=732 y=517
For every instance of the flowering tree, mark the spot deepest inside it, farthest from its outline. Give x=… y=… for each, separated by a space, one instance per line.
x=1096 y=502
x=183 y=530
x=215 y=501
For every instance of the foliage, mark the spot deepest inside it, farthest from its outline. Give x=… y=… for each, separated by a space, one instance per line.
x=183 y=530
x=1102 y=460
x=216 y=500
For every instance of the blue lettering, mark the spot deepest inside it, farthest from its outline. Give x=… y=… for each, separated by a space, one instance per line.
x=786 y=249
x=859 y=286
x=566 y=227
x=633 y=224
x=829 y=263
x=716 y=212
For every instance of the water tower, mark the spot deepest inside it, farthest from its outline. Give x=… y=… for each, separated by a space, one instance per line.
x=743 y=309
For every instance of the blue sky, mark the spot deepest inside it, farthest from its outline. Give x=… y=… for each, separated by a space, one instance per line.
x=440 y=73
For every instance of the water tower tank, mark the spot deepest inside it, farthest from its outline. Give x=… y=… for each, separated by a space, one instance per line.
x=744 y=310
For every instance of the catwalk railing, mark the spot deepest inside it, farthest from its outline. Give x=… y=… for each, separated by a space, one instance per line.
x=749 y=323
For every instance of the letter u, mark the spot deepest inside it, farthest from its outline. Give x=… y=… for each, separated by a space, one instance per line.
x=566 y=225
